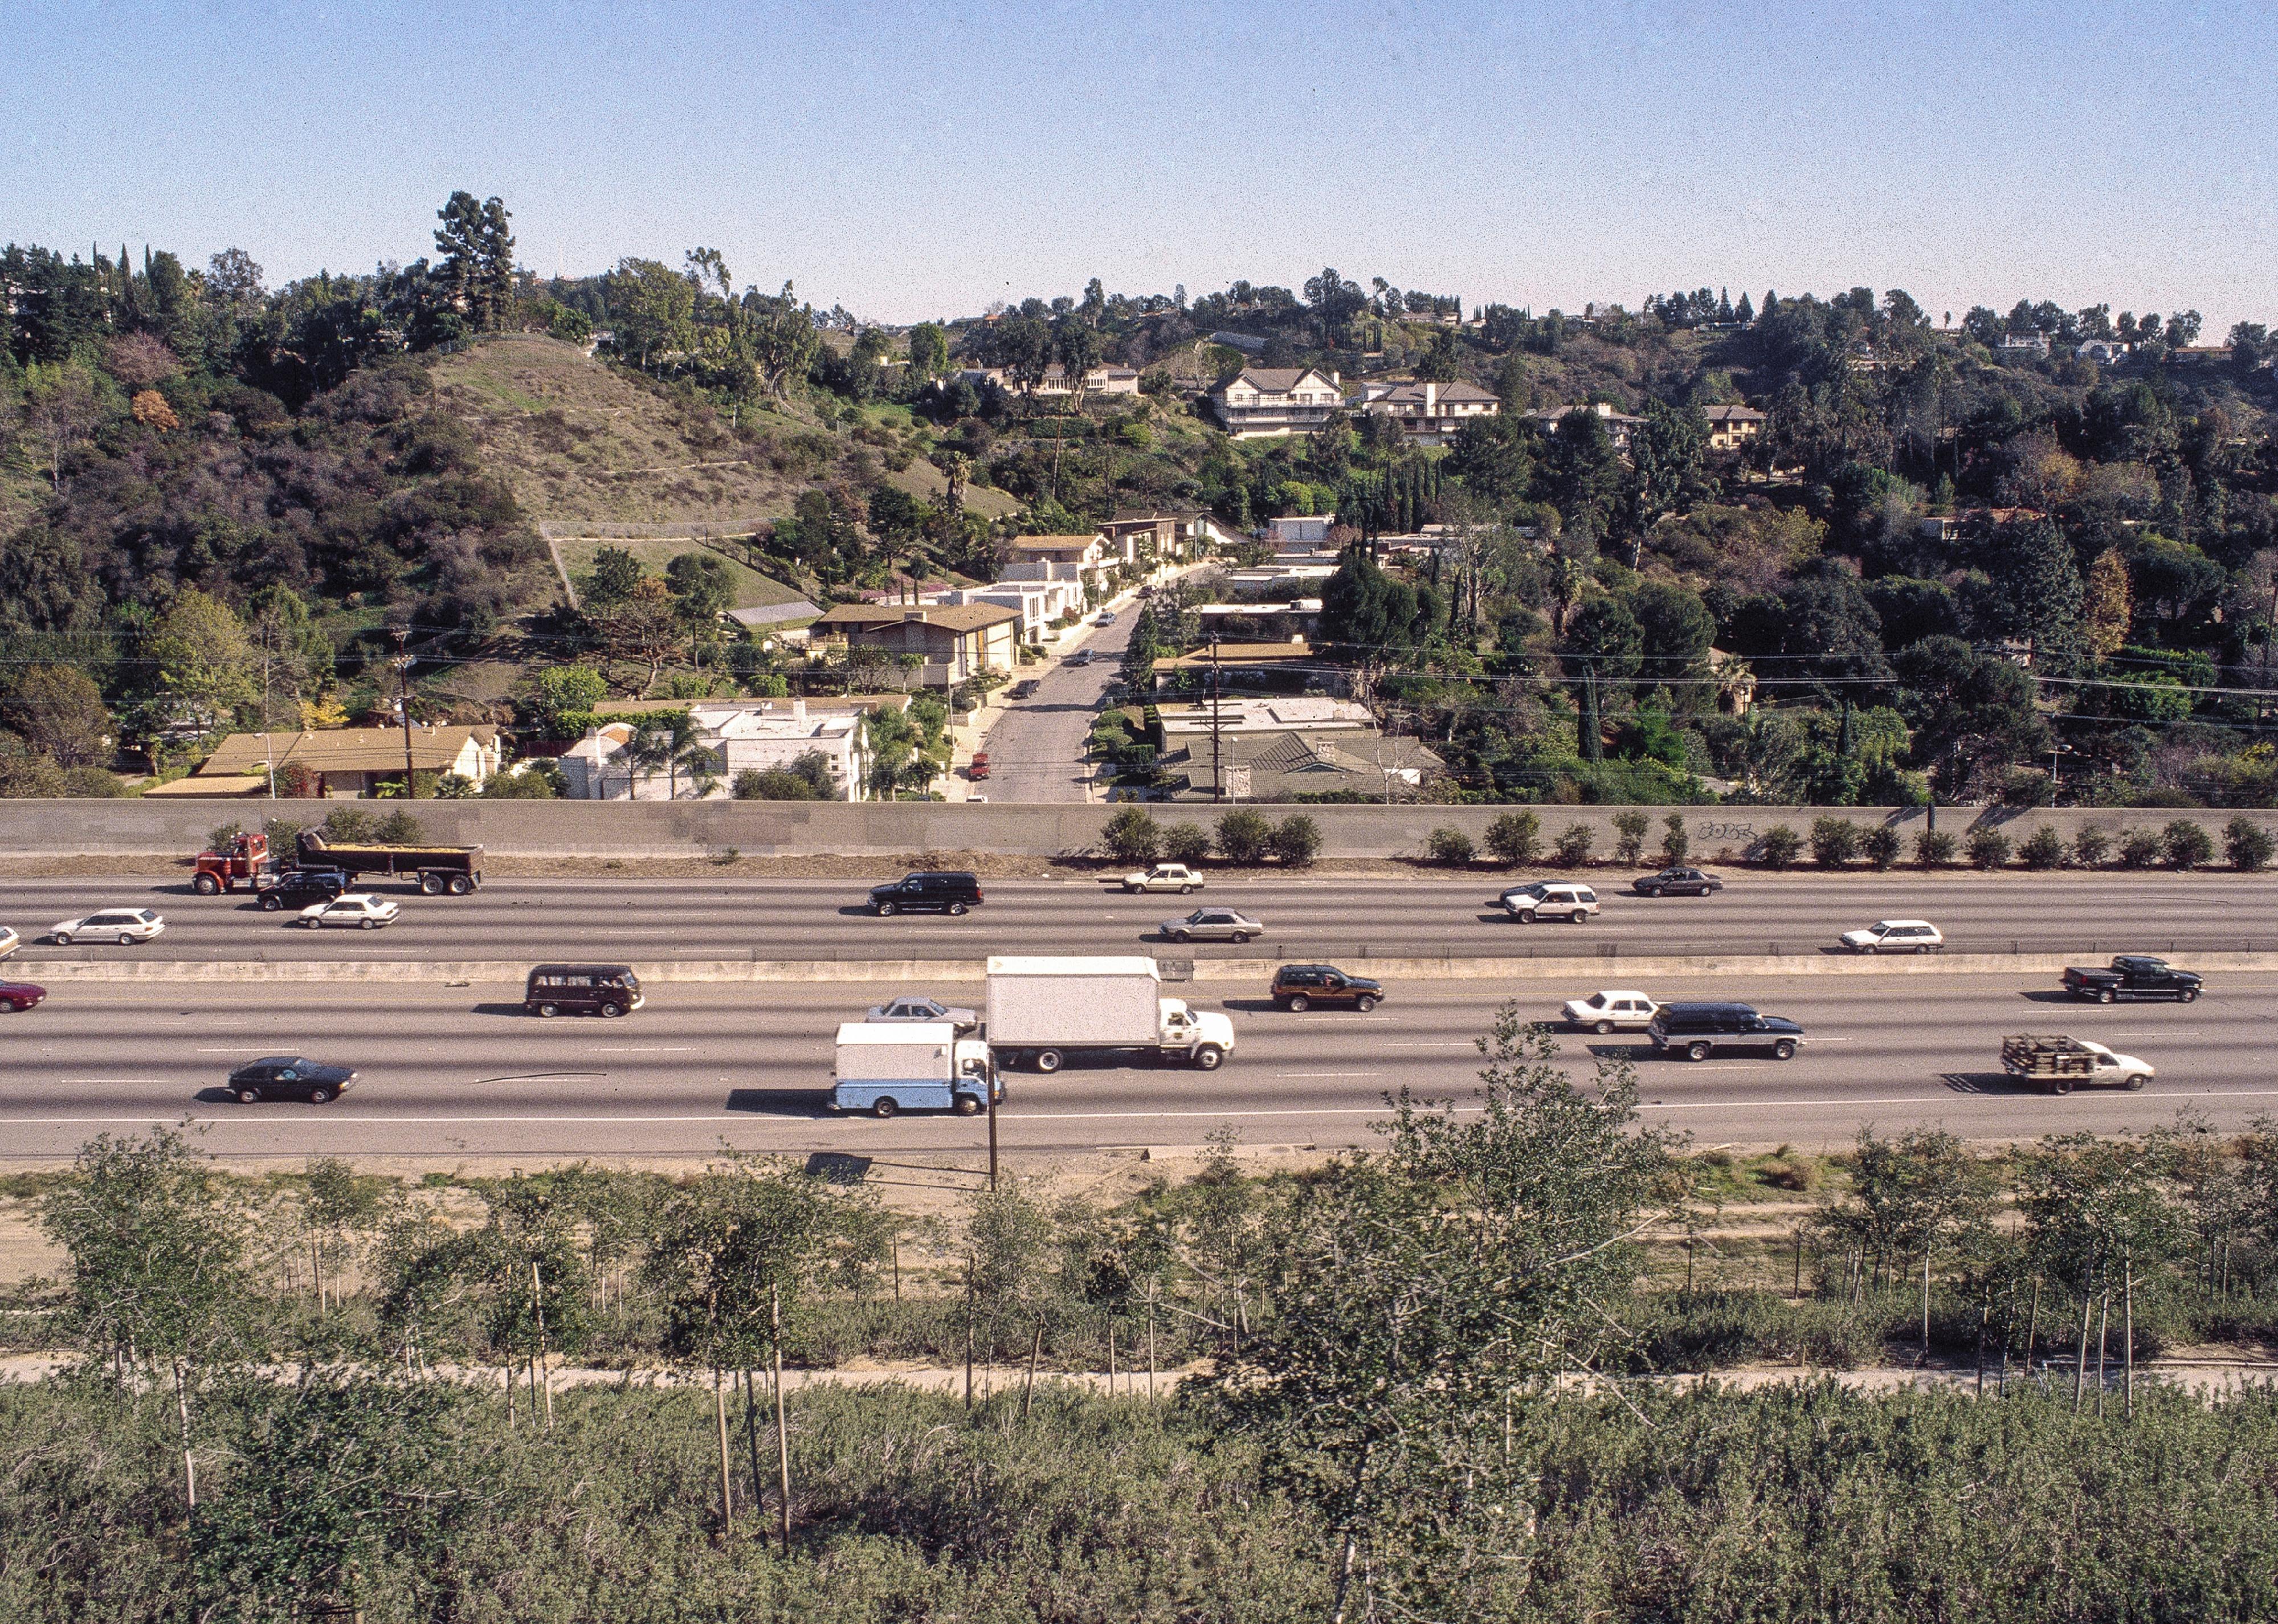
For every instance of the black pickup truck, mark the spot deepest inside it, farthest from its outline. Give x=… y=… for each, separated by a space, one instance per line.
x=2132 y=975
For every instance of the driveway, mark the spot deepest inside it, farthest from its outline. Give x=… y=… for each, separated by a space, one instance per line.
x=1035 y=745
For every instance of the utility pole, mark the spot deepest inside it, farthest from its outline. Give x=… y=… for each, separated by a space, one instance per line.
x=403 y=703
x=1218 y=771
x=269 y=749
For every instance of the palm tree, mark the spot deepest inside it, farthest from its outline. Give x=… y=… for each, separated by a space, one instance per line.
x=702 y=766
x=663 y=739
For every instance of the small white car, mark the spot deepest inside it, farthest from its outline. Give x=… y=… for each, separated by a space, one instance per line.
x=1551 y=900
x=8 y=941
x=1606 y=1012
x=120 y=926
x=1164 y=876
x=1895 y=936
x=357 y=908
x=913 y=1007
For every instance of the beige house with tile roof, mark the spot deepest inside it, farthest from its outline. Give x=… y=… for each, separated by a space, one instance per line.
x=953 y=641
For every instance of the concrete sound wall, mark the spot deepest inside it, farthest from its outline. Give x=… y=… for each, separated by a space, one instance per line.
x=690 y=829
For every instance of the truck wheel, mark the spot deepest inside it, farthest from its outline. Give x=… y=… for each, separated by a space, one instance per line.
x=1783 y=1050
x=2106 y=995
x=967 y=1105
x=432 y=883
x=1363 y=1003
x=249 y=1096
x=2135 y=1082
x=884 y=1107
x=271 y=905
x=956 y=908
x=886 y=910
x=1578 y=917
x=1296 y=1003
x=205 y=884
x=2059 y=1085
x=546 y=1011
x=1209 y=1057
x=2187 y=995
x=1696 y=1052
x=611 y=1012
x=460 y=884
x=1048 y=1060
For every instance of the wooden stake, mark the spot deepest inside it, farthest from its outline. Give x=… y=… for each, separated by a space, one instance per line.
x=1028 y=1385
x=2128 y=1333
x=782 y=1434
x=2103 y=1321
x=538 y=1309
x=727 y=1490
x=1151 y=1350
x=2080 y=1360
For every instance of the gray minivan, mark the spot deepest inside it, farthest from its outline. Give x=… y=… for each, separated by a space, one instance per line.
x=604 y=990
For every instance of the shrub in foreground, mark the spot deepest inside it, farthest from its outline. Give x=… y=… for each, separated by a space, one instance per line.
x=1451 y=848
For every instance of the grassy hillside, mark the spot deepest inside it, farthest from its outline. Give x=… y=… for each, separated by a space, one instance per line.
x=752 y=590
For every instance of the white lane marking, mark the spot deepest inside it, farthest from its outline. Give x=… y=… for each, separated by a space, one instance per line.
x=685 y=1048
x=2082 y=1096
x=241 y=1048
x=1448 y=1044
x=1328 y=1074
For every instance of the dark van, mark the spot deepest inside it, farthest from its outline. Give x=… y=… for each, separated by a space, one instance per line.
x=605 y=990
x=934 y=892
x=1697 y=1031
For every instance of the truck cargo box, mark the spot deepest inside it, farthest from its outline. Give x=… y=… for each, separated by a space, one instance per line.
x=1073 y=1003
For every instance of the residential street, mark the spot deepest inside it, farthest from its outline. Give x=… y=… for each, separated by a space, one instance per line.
x=1036 y=746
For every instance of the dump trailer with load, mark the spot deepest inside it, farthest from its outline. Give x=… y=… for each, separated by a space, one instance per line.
x=2060 y=1064
x=1041 y=1010
x=913 y=1066
x=437 y=868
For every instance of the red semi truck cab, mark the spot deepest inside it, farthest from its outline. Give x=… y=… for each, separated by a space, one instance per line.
x=245 y=860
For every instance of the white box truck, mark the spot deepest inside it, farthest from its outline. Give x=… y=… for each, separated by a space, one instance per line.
x=913 y=1066
x=1043 y=1010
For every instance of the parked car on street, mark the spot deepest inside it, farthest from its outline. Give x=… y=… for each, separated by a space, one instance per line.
x=289 y=1076
x=915 y=1007
x=1697 y=1030
x=1549 y=900
x=2060 y=1064
x=1163 y=876
x=355 y=910
x=980 y=767
x=927 y=892
x=1896 y=936
x=1678 y=882
x=604 y=990
x=298 y=887
x=1107 y=618
x=8 y=941
x=120 y=926
x=1213 y=924
x=1606 y=1012
x=1298 y=987
x=1081 y=656
x=17 y=996
x=1023 y=688
x=2133 y=975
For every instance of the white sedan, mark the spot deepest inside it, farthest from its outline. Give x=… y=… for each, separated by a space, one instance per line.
x=1895 y=936
x=1603 y=1012
x=1164 y=876
x=113 y=924
x=357 y=908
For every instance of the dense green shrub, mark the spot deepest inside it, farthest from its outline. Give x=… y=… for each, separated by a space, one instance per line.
x=1297 y=840
x=1244 y=836
x=2089 y=845
x=1515 y=837
x=1777 y=847
x=2247 y=845
x=1834 y=841
x=1933 y=848
x=2044 y=849
x=1988 y=848
x=1629 y=835
x=1131 y=836
x=2186 y=844
x=1187 y=843
x=1449 y=847
x=1675 y=844
x=1573 y=848
x=1880 y=846
x=2139 y=848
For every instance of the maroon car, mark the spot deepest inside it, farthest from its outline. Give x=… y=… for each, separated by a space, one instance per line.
x=19 y=995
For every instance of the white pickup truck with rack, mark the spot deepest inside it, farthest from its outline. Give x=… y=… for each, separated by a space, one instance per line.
x=2060 y=1064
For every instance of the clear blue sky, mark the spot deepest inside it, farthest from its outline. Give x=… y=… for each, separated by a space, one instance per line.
x=919 y=160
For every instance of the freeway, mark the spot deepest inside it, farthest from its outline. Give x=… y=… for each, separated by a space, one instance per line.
x=454 y=1073
x=1323 y=915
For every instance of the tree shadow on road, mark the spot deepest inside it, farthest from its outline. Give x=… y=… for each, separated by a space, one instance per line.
x=802 y=1102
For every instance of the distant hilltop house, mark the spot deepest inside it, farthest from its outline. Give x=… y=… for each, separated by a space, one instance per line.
x=953 y=641
x=1731 y=427
x=2022 y=345
x=2104 y=349
x=1306 y=530
x=1427 y=413
x=1084 y=558
x=1099 y=380
x=1262 y=400
x=340 y=761
x=755 y=736
x=1619 y=424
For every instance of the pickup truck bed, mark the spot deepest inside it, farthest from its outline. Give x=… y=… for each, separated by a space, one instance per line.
x=2131 y=976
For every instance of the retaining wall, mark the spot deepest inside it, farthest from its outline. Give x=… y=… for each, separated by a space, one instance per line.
x=701 y=828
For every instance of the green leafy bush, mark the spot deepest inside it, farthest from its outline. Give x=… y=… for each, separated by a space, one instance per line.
x=1675 y=844
x=1573 y=848
x=1187 y=843
x=1297 y=840
x=2044 y=849
x=1515 y=837
x=1880 y=846
x=1131 y=836
x=1448 y=846
x=2139 y=848
x=2247 y=845
x=2186 y=844
x=1988 y=848
x=1777 y=847
x=1834 y=841
x=1244 y=836
x=1933 y=848
x=1629 y=835
x=2089 y=845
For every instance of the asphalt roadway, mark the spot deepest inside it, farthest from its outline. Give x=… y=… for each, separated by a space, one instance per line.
x=1321 y=916
x=451 y=1073
x=1036 y=745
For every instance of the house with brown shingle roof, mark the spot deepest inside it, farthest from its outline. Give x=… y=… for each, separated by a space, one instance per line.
x=349 y=761
x=953 y=641
x=1277 y=400
x=1429 y=414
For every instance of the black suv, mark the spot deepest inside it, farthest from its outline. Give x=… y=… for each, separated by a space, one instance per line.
x=1696 y=1030
x=1298 y=987
x=931 y=893
x=298 y=887
x=1678 y=882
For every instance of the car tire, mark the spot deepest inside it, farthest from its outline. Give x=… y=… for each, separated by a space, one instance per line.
x=1186 y=891
x=1296 y=1003
x=883 y=1107
x=320 y=1095
x=432 y=883
x=886 y=910
x=370 y=924
x=1696 y=1052
x=967 y=1105
x=273 y=904
x=2059 y=1085
x=1867 y=949
x=1651 y=891
x=1364 y=1003
x=957 y=907
x=2133 y=1083
x=1578 y=917
x=611 y=1012
x=1783 y=1049
x=1181 y=936
x=1209 y=1057
x=1526 y=916
x=205 y=884
x=2106 y=995
x=10 y=1007
x=249 y=1096
x=1241 y=937
x=1048 y=1060
x=2189 y=995
x=546 y=1011
x=460 y=884
x=1604 y=1027
x=63 y=938
x=1131 y=891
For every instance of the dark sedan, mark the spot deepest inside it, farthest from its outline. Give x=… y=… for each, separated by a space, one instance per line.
x=17 y=996
x=1676 y=883
x=289 y=1076
x=297 y=888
